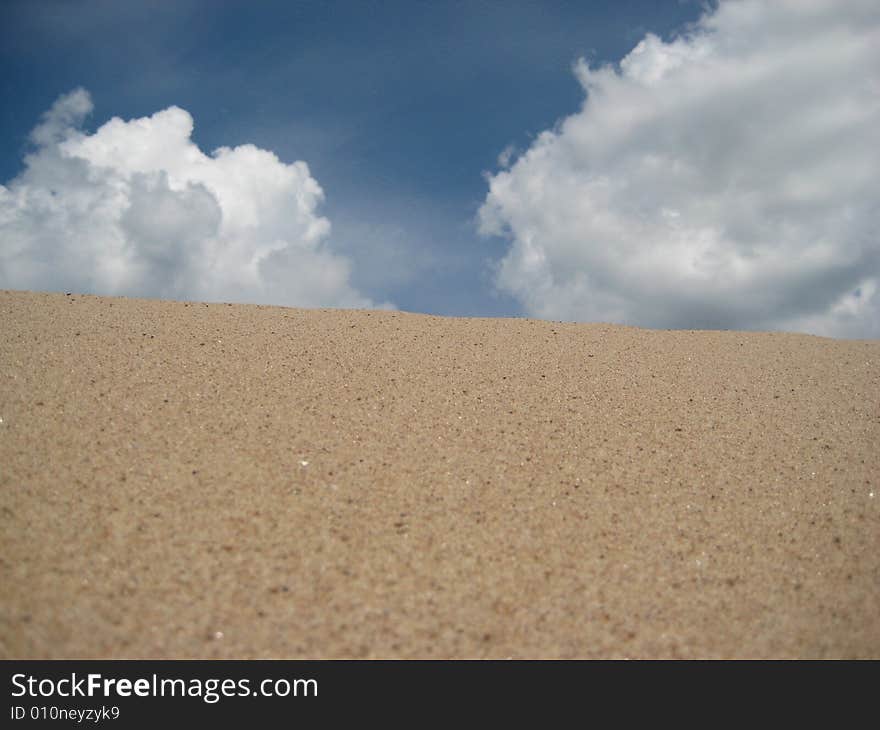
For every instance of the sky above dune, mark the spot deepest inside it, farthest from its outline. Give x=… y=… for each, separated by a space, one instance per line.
x=675 y=165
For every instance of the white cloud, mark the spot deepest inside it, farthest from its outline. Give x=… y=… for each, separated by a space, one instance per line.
x=727 y=178
x=138 y=209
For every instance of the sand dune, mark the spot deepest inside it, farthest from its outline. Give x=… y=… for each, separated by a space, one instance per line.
x=190 y=480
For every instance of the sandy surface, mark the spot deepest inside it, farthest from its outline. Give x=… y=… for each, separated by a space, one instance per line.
x=191 y=480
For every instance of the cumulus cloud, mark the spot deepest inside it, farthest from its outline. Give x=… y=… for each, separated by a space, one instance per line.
x=727 y=178
x=137 y=209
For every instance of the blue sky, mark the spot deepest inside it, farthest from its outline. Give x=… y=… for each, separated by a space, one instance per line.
x=401 y=110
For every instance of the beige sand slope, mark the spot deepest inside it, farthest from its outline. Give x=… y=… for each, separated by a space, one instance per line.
x=191 y=480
